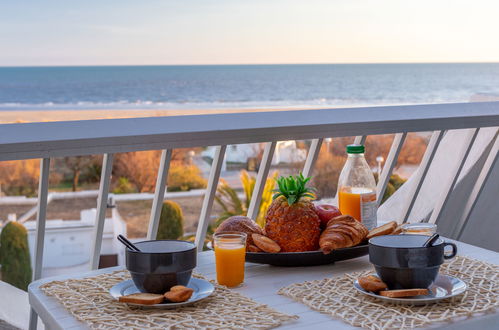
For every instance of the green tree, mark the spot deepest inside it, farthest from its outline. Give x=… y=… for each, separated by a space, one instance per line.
x=75 y=166
x=171 y=221
x=14 y=255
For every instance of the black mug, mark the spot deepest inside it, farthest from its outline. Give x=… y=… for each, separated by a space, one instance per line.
x=402 y=262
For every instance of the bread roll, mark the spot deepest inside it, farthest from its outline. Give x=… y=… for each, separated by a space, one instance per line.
x=242 y=224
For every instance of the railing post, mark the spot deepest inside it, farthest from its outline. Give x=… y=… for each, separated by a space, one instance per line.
x=107 y=167
x=456 y=171
x=420 y=174
x=211 y=190
x=489 y=164
x=261 y=179
x=159 y=194
x=313 y=154
x=391 y=160
x=40 y=229
x=361 y=139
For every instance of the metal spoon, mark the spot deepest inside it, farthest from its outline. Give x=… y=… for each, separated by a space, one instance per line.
x=431 y=240
x=127 y=243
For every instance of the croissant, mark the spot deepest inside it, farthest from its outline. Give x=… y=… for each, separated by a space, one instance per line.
x=341 y=232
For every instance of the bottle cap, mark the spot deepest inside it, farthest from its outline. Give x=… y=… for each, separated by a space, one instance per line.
x=355 y=149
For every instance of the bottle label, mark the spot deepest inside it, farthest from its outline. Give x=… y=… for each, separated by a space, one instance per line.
x=368 y=210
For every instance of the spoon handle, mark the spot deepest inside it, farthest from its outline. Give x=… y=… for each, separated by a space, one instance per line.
x=127 y=243
x=431 y=240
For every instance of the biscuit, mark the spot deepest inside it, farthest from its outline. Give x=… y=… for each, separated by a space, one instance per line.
x=372 y=283
x=265 y=243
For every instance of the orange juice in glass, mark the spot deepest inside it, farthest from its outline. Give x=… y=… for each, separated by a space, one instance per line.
x=230 y=252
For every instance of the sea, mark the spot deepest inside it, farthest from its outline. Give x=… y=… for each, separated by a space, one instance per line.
x=242 y=86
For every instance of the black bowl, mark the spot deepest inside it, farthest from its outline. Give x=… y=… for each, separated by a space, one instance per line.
x=161 y=264
x=402 y=263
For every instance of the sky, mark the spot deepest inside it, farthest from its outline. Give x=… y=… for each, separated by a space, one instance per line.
x=133 y=32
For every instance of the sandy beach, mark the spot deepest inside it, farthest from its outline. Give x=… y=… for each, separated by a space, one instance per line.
x=29 y=116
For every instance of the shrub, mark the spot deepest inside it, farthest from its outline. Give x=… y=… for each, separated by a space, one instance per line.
x=392 y=186
x=14 y=255
x=397 y=181
x=171 y=221
x=184 y=177
x=94 y=170
x=139 y=167
x=390 y=189
x=20 y=177
x=123 y=186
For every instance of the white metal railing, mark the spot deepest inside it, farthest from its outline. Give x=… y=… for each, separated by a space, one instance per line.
x=57 y=139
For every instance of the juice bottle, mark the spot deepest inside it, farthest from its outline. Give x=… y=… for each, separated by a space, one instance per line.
x=357 y=188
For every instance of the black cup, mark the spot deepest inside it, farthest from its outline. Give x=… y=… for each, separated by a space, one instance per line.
x=402 y=263
x=161 y=264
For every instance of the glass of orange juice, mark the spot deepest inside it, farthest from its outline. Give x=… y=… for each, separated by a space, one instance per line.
x=230 y=252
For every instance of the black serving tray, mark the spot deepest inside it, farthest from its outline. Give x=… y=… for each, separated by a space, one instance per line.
x=309 y=258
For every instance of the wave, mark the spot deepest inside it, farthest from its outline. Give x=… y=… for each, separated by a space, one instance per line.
x=146 y=104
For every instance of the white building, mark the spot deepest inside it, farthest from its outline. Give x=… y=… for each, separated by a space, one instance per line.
x=285 y=152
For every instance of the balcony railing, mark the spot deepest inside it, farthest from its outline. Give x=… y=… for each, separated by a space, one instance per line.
x=59 y=139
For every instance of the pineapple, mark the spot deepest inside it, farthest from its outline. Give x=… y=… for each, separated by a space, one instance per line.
x=291 y=220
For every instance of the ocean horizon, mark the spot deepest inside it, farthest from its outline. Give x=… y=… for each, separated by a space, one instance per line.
x=180 y=87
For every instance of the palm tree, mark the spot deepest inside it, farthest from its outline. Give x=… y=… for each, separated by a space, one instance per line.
x=228 y=198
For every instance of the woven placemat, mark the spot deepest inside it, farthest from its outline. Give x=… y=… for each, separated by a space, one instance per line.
x=89 y=301
x=338 y=298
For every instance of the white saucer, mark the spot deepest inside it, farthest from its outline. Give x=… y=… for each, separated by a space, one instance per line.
x=444 y=287
x=202 y=290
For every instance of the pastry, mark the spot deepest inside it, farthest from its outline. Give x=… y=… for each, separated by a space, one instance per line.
x=179 y=293
x=372 y=283
x=341 y=232
x=253 y=248
x=265 y=243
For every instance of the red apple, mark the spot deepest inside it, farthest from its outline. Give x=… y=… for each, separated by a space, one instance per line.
x=326 y=212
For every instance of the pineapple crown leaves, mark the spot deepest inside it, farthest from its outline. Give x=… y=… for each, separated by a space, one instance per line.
x=293 y=188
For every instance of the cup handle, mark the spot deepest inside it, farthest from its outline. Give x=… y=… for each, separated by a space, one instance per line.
x=454 y=250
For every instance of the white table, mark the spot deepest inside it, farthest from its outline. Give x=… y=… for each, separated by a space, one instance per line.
x=261 y=283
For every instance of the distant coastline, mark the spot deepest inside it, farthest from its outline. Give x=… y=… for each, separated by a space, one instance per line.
x=29 y=94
